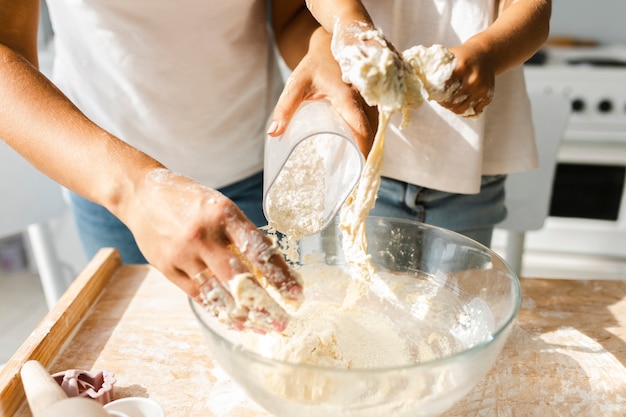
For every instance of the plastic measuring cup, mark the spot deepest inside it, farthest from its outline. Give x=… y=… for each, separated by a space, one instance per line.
x=310 y=170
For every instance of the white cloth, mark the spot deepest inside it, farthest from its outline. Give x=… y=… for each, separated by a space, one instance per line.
x=439 y=149
x=187 y=81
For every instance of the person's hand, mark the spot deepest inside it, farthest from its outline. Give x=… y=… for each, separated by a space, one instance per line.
x=372 y=65
x=203 y=243
x=473 y=79
x=318 y=76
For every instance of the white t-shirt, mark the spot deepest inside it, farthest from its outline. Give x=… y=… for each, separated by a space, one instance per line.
x=189 y=82
x=439 y=149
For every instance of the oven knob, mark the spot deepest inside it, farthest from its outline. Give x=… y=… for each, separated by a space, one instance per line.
x=605 y=106
x=578 y=105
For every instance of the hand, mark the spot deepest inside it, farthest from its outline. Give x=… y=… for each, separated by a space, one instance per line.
x=474 y=81
x=372 y=65
x=318 y=76
x=202 y=242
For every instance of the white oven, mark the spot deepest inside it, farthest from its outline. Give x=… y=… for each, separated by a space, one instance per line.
x=588 y=207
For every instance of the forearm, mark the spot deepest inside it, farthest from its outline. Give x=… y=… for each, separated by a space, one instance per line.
x=294 y=26
x=294 y=36
x=520 y=30
x=330 y=12
x=40 y=123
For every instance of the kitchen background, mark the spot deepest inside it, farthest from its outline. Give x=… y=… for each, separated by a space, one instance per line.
x=592 y=246
x=599 y=19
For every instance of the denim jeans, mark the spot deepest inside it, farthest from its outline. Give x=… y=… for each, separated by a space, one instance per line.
x=473 y=215
x=98 y=228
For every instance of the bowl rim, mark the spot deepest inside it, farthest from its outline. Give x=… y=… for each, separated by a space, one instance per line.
x=516 y=288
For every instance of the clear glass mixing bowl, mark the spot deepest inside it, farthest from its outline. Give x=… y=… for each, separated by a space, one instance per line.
x=454 y=303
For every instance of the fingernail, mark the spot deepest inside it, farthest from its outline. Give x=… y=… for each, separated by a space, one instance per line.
x=295 y=293
x=279 y=326
x=273 y=127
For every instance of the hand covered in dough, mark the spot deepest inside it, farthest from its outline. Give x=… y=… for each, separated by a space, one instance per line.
x=202 y=242
x=460 y=79
x=471 y=84
x=374 y=67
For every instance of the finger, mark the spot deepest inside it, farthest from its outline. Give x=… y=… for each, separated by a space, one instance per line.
x=355 y=112
x=470 y=112
x=474 y=107
x=260 y=311
x=217 y=300
x=459 y=108
x=459 y=100
x=204 y=289
x=292 y=96
x=264 y=313
x=266 y=262
x=481 y=106
x=181 y=280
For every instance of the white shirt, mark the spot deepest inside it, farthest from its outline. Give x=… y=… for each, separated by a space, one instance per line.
x=439 y=149
x=187 y=81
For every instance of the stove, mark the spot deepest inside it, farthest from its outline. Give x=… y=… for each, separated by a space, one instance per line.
x=588 y=207
x=594 y=80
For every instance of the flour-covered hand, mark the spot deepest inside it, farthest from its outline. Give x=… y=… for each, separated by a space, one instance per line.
x=201 y=241
x=372 y=65
x=472 y=82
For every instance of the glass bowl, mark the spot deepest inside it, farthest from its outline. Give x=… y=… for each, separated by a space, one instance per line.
x=436 y=317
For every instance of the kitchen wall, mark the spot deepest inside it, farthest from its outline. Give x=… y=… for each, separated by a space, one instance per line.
x=602 y=20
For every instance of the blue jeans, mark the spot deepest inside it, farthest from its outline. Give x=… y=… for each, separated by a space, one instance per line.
x=98 y=228
x=473 y=215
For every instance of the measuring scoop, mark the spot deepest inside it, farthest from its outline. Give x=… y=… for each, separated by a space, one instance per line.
x=310 y=170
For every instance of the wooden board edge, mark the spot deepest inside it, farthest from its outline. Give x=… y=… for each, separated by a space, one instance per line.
x=52 y=332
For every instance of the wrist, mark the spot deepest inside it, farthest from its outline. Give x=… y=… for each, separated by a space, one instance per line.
x=136 y=172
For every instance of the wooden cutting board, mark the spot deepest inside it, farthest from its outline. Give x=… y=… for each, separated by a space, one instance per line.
x=566 y=355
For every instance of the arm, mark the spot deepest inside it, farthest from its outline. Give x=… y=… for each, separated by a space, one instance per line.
x=31 y=106
x=293 y=23
x=519 y=31
x=181 y=227
x=305 y=46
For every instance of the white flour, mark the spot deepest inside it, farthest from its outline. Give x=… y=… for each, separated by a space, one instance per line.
x=295 y=202
x=375 y=332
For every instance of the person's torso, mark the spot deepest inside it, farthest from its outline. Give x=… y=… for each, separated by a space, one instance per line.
x=186 y=81
x=439 y=149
